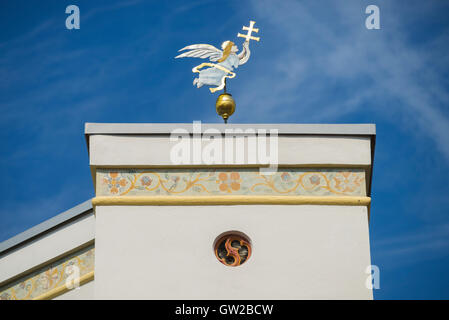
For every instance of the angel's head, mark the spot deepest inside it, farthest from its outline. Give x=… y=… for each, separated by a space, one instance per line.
x=228 y=47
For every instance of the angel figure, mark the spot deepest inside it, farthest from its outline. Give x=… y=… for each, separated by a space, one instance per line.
x=228 y=59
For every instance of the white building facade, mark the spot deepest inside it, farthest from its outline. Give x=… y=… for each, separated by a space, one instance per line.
x=169 y=223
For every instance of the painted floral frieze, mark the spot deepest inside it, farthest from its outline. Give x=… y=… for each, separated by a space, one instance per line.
x=50 y=277
x=243 y=181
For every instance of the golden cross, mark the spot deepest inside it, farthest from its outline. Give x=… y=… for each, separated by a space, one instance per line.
x=250 y=30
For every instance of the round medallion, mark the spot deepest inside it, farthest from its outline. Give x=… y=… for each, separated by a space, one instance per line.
x=232 y=249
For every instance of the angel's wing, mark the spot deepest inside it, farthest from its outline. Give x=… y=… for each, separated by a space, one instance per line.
x=202 y=51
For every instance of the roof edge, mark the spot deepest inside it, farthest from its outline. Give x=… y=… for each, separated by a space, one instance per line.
x=285 y=128
x=45 y=226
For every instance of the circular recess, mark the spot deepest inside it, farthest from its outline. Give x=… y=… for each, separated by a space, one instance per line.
x=232 y=248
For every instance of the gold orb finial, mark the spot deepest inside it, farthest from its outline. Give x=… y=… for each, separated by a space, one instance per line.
x=225 y=106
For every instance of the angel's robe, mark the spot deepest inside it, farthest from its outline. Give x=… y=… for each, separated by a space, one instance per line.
x=214 y=76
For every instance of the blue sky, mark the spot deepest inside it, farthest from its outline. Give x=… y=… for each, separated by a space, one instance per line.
x=316 y=63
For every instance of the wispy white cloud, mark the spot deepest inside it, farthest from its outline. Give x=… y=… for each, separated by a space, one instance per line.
x=417 y=245
x=326 y=65
x=23 y=215
x=60 y=84
x=111 y=7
